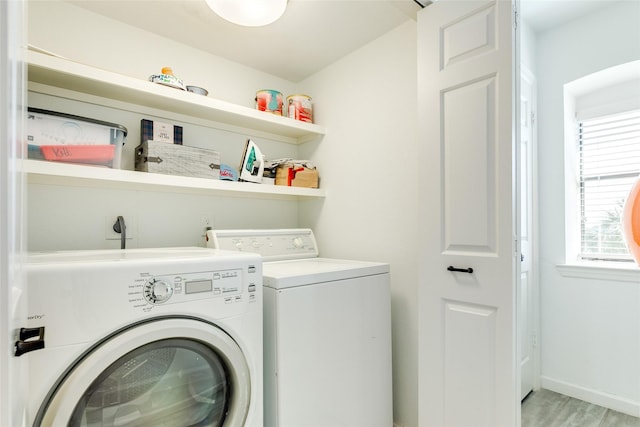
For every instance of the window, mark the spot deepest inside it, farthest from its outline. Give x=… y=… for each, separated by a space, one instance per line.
x=609 y=164
x=601 y=164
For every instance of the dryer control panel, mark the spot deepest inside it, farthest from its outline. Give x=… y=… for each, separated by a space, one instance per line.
x=272 y=245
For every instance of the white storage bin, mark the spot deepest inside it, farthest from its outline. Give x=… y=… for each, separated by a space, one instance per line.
x=61 y=137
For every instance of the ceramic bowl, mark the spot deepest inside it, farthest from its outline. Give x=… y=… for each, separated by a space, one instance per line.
x=198 y=90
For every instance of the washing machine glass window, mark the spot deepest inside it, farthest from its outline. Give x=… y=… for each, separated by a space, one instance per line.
x=166 y=372
x=169 y=382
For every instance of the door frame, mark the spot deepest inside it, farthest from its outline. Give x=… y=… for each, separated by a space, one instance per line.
x=527 y=333
x=12 y=195
x=535 y=255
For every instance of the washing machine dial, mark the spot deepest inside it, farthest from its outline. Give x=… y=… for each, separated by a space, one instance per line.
x=157 y=291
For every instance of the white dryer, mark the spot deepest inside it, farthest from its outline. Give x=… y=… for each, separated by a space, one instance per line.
x=327 y=332
x=144 y=337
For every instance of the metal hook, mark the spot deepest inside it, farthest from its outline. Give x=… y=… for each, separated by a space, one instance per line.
x=461 y=270
x=121 y=228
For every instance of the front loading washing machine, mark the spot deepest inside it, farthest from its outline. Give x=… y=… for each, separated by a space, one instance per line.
x=144 y=337
x=327 y=332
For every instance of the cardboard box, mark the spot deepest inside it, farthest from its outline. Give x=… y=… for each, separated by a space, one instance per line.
x=62 y=137
x=296 y=176
x=174 y=159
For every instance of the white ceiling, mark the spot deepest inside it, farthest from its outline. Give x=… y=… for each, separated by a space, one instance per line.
x=312 y=33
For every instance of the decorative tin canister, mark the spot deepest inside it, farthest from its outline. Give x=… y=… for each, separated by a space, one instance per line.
x=270 y=101
x=299 y=108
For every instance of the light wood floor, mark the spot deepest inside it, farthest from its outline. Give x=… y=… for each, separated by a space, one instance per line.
x=544 y=408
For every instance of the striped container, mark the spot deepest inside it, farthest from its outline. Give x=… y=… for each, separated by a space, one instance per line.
x=299 y=107
x=270 y=101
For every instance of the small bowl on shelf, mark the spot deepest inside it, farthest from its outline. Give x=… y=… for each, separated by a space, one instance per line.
x=198 y=90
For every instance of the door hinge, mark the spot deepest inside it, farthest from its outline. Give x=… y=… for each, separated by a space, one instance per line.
x=533 y=118
x=515 y=19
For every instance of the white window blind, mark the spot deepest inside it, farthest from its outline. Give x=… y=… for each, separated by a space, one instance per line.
x=609 y=150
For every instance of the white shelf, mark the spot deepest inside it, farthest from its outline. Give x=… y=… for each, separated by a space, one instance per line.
x=52 y=173
x=61 y=77
x=68 y=75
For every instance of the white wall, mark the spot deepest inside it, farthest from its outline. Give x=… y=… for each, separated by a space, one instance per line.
x=528 y=47
x=75 y=218
x=85 y=37
x=370 y=171
x=366 y=161
x=590 y=338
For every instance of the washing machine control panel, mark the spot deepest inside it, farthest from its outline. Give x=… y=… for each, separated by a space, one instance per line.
x=229 y=285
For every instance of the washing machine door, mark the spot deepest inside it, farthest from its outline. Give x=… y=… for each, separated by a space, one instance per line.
x=174 y=372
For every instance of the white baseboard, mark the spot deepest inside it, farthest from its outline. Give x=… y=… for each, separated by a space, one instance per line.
x=610 y=401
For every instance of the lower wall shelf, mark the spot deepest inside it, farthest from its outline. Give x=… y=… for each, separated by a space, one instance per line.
x=51 y=173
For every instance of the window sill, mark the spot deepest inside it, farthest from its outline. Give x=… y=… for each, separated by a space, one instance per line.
x=601 y=271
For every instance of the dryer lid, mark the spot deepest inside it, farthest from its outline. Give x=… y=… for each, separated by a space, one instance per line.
x=291 y=273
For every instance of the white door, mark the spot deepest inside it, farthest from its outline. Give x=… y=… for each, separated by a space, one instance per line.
x=526 y=300
x=468 y=372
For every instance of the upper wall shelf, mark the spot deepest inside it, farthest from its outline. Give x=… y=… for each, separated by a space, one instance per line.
x=68 y=75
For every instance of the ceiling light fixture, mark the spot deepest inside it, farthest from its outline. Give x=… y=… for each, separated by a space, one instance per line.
x=249 y=13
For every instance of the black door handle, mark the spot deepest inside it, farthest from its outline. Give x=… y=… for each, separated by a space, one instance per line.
x=461 y=270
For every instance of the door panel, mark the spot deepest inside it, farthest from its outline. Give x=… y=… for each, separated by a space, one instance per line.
x=469 y=36
x=468 y=182
x=467 y=338
x=479 y=323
